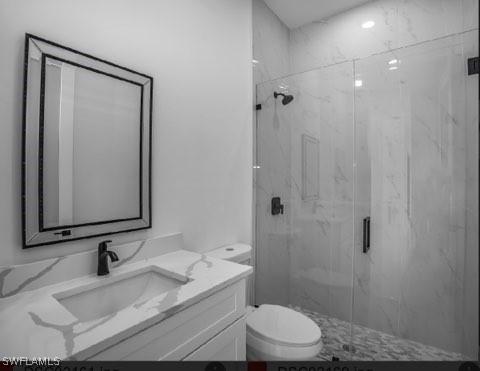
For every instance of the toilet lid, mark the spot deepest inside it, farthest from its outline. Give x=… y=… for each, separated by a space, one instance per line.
x=282 y=325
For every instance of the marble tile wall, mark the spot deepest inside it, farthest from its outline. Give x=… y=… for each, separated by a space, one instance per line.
x=398 y=23
x=411 y=138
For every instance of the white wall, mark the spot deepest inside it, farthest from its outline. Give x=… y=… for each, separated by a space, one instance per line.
x=199 y=53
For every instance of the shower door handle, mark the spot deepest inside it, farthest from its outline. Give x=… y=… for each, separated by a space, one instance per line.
x=366 y=234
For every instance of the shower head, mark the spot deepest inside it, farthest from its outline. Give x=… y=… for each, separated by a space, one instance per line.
x=286 y=98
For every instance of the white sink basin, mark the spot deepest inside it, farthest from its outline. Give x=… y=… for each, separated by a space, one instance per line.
x=109 y=295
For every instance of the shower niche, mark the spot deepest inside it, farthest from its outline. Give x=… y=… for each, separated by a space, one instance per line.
x=310 y=168
x=87 y=145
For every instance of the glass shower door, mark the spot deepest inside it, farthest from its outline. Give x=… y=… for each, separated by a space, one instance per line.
x=416 y=203
x=304 y=162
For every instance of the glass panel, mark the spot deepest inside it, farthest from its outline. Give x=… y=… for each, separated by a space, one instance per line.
x=416 y=142
x=305 y=157
x=91 y=151
x=72 y=99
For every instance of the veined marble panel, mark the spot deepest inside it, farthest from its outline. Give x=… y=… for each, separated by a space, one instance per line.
x=38 y=325
x=19 y=278
x=398 y=23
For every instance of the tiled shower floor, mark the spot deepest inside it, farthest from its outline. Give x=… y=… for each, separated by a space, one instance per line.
x=371 y=345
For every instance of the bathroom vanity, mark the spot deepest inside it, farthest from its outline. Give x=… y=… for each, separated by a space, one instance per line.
x=159 y=302
x=212 y=329
x=86 y=167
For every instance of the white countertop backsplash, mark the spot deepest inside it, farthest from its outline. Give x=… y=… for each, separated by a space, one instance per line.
x=39 y=326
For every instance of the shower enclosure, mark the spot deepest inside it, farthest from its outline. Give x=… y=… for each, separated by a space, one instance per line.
x=375 y=162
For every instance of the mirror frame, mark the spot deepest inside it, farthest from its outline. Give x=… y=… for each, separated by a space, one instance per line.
x=34 y=233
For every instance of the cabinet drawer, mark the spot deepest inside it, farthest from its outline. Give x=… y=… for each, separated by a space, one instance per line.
x=179 y=335
x=229 y=345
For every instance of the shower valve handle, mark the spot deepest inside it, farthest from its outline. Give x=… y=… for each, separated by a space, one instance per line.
x=277 y=207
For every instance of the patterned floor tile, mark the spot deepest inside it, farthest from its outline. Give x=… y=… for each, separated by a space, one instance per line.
x=371 y=345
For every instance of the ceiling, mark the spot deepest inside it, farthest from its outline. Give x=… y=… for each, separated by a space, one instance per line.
x=296 y=13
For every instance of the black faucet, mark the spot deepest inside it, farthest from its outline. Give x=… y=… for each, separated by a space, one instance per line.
x=103 y=255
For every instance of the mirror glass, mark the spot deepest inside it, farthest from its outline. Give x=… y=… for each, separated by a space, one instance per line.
x=87 y=126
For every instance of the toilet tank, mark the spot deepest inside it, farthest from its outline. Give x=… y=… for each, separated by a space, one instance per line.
x=238 y=253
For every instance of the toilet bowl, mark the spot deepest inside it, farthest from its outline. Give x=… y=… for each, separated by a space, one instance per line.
x=274 y=333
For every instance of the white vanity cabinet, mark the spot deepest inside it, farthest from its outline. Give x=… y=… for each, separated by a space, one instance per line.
x=228 y=345
x=212 y=329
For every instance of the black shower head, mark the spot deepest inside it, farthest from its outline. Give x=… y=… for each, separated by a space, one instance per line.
x=286 y=98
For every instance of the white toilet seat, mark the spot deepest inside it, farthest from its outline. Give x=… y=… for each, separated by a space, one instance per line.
x=279 y=333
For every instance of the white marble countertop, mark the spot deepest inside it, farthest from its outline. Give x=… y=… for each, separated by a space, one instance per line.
x=35 y=324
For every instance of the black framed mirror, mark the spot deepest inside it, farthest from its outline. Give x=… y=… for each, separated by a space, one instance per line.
x=87 y=129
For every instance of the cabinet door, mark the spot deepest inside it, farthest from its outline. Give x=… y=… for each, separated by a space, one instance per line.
x=228 y=345
x=179 y=335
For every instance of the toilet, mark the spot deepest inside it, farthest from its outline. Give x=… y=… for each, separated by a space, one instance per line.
x=274 y=332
